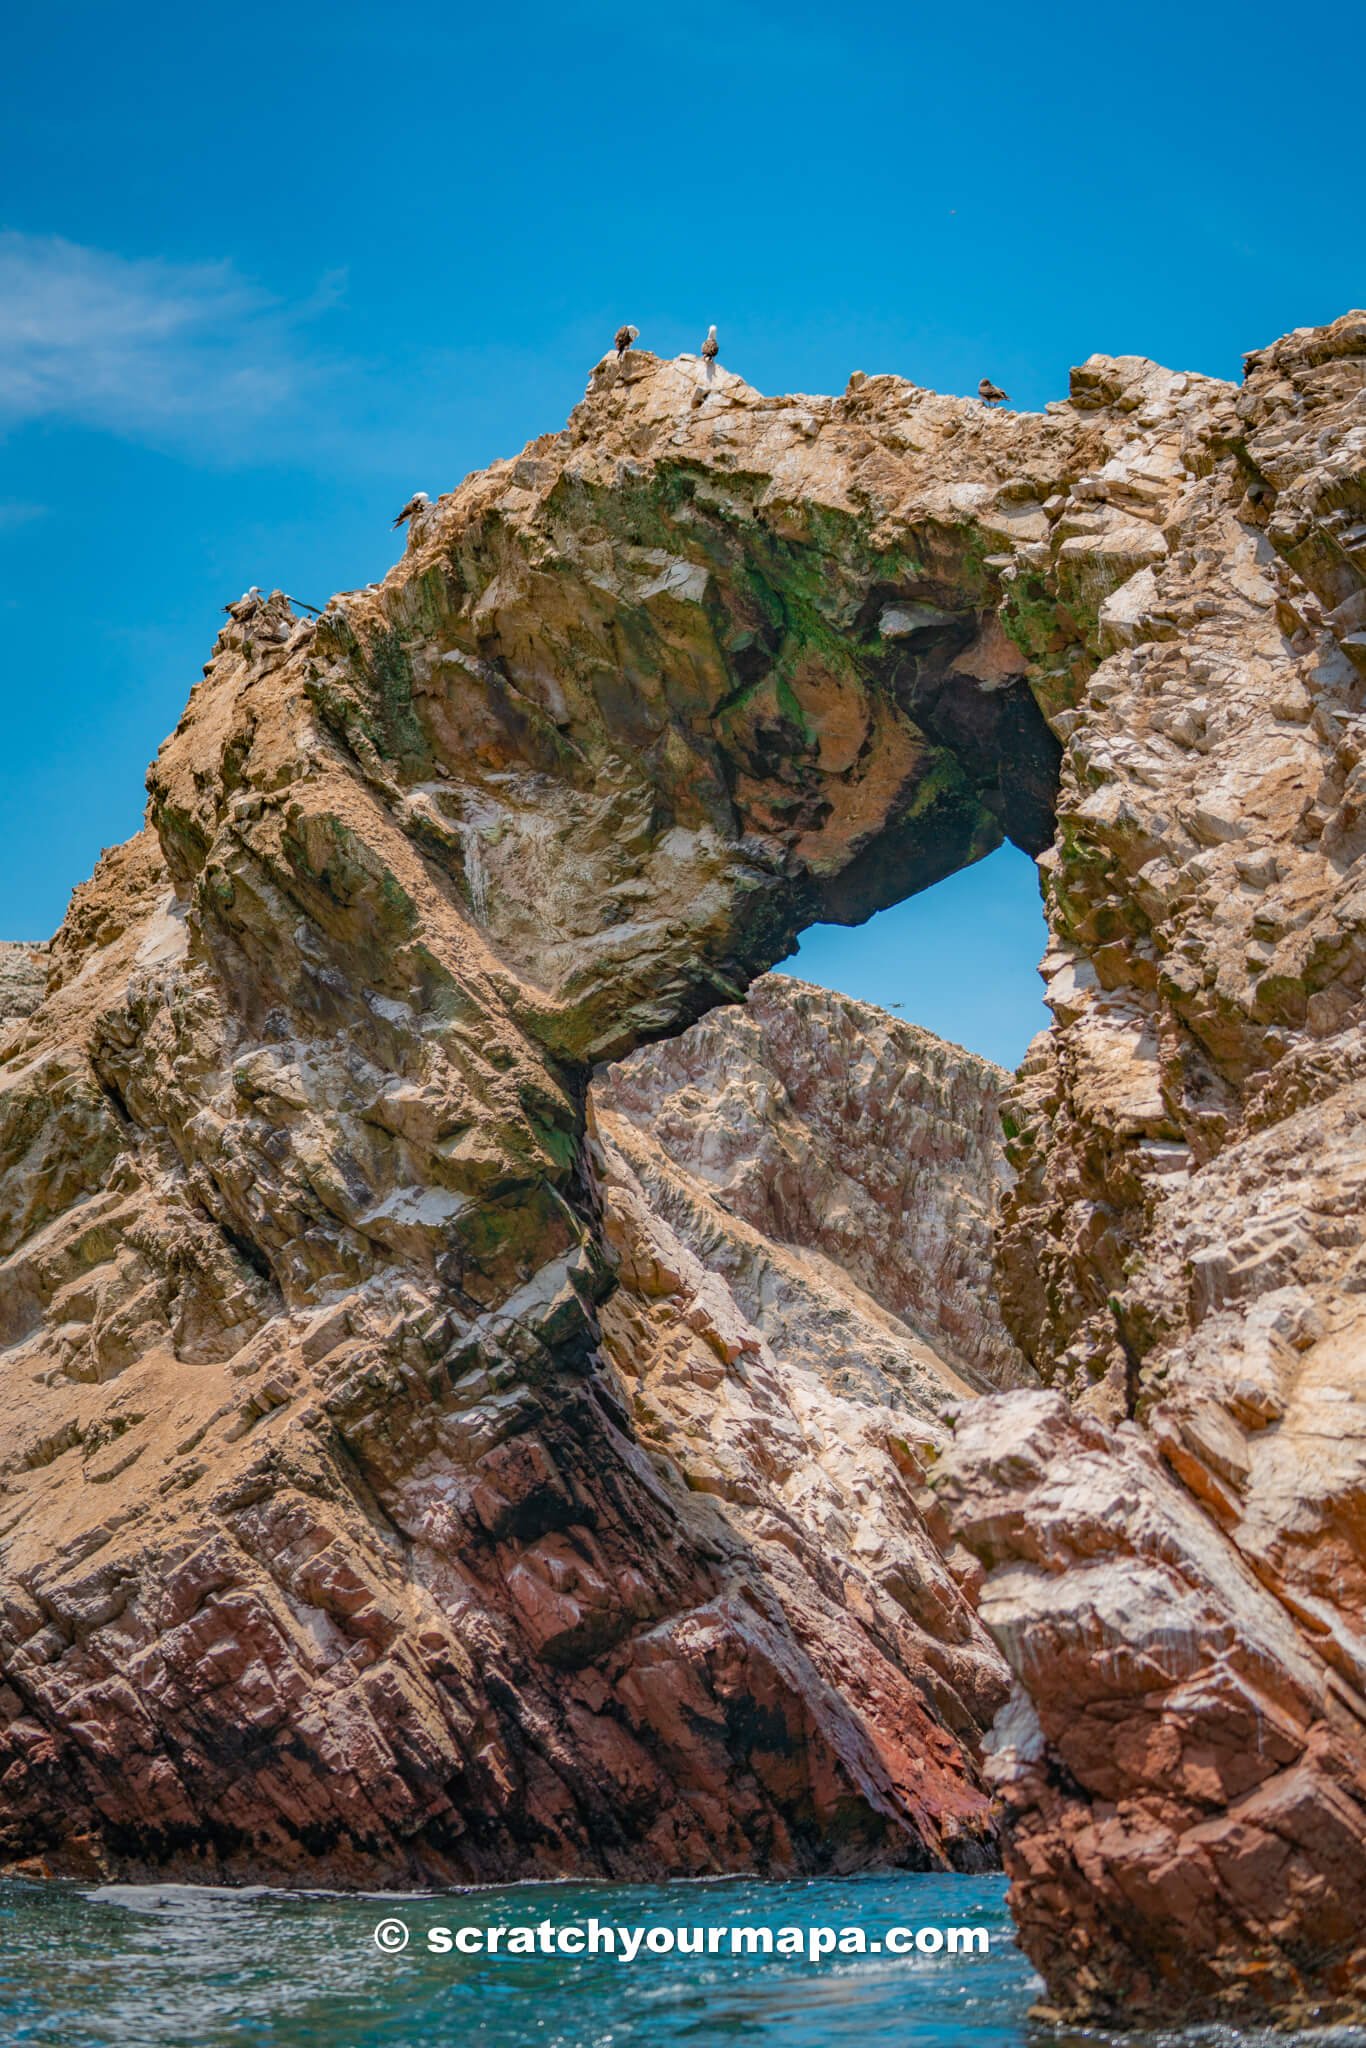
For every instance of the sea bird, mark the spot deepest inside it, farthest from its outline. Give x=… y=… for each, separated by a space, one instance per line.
x=625 y=336
x=711 y=347
x=414 y=508
x=244 y=606
x=992 y=394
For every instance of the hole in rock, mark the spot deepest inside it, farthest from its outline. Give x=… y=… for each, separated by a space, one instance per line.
x=839 y=1177
x=961 y=958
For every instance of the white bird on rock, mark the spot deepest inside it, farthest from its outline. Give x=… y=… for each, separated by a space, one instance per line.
x=247 y=604
x=415 y=507
x=711 y=347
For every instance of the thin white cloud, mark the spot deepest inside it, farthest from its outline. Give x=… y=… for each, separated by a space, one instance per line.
x=18 y=512
x=169 y=352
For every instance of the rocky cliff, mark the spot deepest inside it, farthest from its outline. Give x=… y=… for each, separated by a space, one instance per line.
x=225 y=1622
x=1181 y=1594
x=864 y=1145
x=330 y=1536
x=798 y=1394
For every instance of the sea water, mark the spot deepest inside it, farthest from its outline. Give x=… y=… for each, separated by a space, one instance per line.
x=181 y=1966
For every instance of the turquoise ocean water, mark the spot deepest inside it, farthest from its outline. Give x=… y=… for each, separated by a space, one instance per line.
x=187 y=1967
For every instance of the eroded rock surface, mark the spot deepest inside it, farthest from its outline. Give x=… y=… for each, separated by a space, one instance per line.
x=768 y=1382
x=23 y=978
x=1182 y=1778
x=799 y=1194
x=329 y=1538
x=1184 y=1243
x=309 y=1646
x=864 y=1146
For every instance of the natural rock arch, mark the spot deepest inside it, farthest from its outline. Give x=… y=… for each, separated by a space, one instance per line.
x=304 y=1108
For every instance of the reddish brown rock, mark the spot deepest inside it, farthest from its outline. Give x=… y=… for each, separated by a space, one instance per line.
x=1181 y=1768
x=784 y=1389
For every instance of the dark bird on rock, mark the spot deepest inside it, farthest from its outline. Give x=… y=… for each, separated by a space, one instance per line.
x=711 y=347
x=247 y=604
x=625 y=336
x=416 y=505
x=992 y=394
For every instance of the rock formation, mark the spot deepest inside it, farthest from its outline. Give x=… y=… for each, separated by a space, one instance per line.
x=329 y=1538
x=793 y=1391
x=819 y=1698
x=23 y=978
x=1181 y=1597
x=813 y=1123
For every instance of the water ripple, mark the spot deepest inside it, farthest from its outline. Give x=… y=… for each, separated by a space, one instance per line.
x=167 y=1966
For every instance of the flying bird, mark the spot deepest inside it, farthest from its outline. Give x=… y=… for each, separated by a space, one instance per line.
x=992 y=394
x=625 y=336
x=711 y=347
x=415 y=506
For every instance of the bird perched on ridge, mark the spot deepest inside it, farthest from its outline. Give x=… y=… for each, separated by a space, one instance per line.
x=625 y=336
x=416 y=505
x=711 y=347
x=245 y=606
x=992 y=394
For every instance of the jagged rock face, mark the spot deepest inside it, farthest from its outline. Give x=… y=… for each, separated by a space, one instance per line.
x=1188 y=1805
x=794 y=1391
x=771 y=1386
x=866 y=1146
x=417 y=1665
x=1180 y=1774
x=23 y=977
x=306 y=1252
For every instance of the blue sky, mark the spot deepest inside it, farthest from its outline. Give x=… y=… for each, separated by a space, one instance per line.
x=962 y=959
x=264 y=272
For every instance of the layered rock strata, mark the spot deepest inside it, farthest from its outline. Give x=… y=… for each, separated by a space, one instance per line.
x=816 y=1697
x=1181 y=1596
x=306 y=1258
x=842 y=1172
x=799 y=1196
x=1181 y=1776
x=780 y=1387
